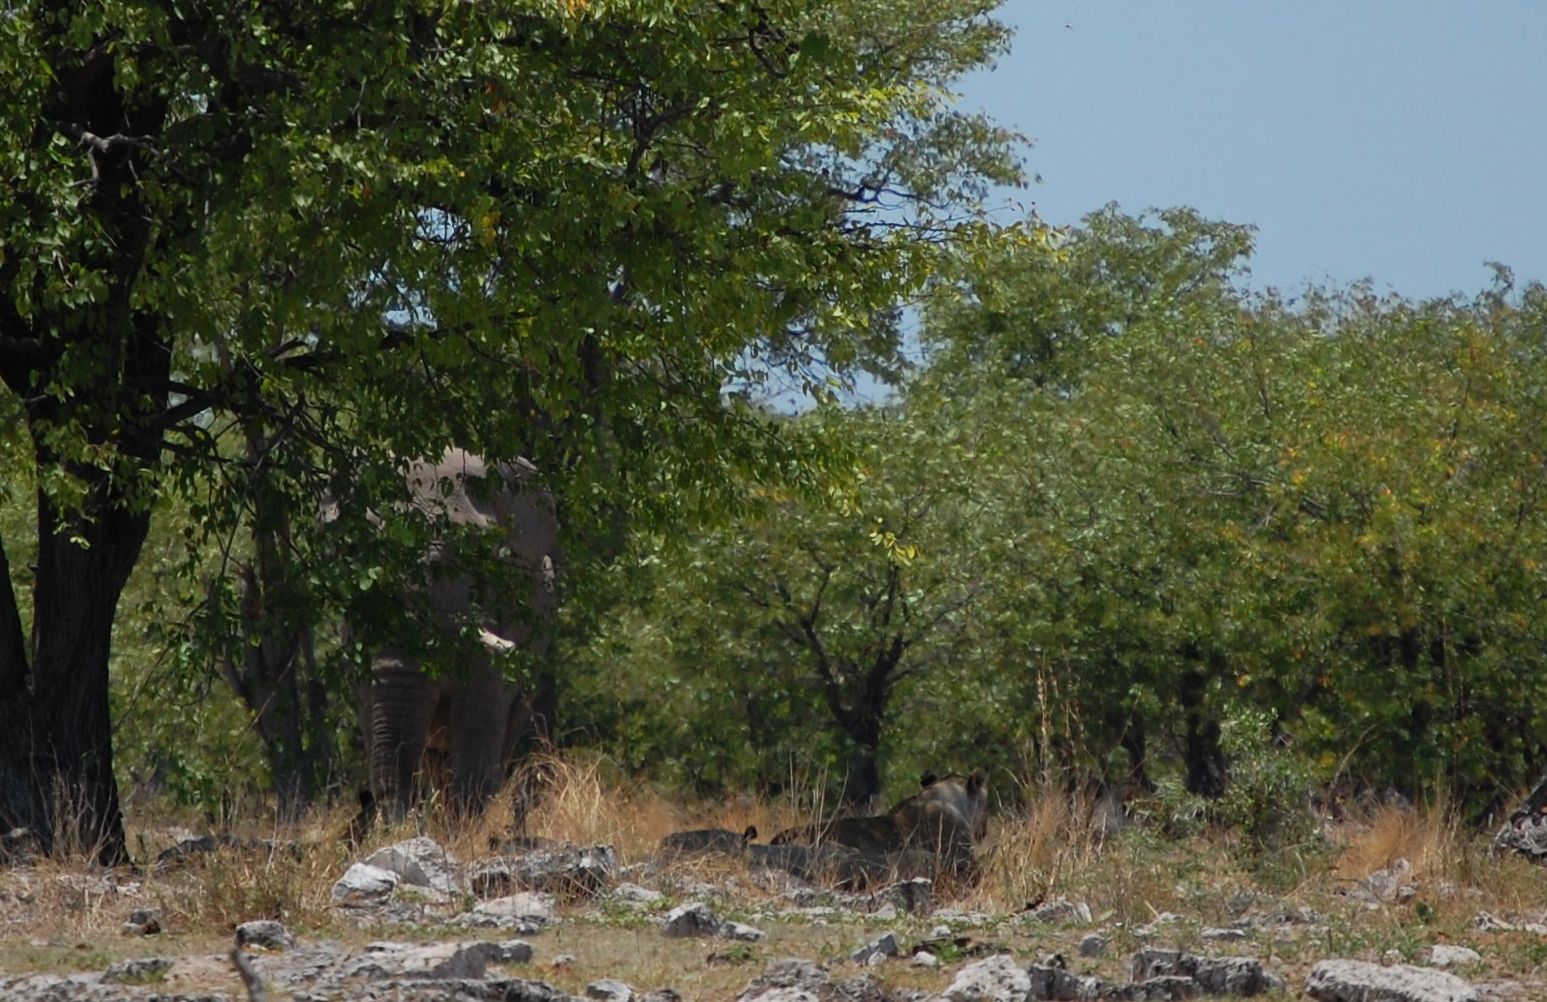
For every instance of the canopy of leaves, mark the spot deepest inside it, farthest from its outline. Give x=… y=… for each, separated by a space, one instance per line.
x=1157 y=503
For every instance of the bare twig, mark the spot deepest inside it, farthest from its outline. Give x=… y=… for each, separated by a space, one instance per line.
x=249 y=975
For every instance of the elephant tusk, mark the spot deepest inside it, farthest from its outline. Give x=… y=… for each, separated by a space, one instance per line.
x=495 y=643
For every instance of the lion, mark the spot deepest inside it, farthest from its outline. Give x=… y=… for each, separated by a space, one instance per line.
x=708 y=840
x=947 y=818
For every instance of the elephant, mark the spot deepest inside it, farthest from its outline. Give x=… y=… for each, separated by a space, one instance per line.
x=467 y=721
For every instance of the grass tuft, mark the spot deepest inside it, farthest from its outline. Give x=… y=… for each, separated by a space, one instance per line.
x=1427 y=837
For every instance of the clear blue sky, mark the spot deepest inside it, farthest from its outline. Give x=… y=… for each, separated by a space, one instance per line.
x=1403 y=141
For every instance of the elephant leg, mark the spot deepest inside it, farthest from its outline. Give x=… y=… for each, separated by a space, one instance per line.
x=480 y=714
x=402 y=704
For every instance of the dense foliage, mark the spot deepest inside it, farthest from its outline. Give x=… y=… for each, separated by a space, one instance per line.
x=1172 y=504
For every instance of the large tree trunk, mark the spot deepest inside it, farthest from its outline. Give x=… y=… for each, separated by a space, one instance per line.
x=56 y=764
x=56 y=746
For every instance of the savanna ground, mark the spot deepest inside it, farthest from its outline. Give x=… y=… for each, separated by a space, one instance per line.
x=1143 y=886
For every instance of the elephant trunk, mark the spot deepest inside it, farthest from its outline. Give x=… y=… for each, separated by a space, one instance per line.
x=400 y=706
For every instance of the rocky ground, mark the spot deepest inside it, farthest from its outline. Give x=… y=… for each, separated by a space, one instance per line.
x=546 y=921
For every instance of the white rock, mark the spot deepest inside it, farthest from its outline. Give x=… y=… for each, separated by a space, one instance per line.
x=1359 y=981
x=435 y=961
x=789 y=980
x=1227 y=934
x=363 y=884
x=882 y=947
x=420 y=862
x=1059 y=910
x=743 y=933
x=691 y=919
x=1446 y=955
x=521 y=905
x=635 y=895
x=266 y=933
x=994 y=979
x=609 y=990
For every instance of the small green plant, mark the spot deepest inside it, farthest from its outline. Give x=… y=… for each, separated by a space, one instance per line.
x=1266 y=800
x=734 y=955
x=1179 y=813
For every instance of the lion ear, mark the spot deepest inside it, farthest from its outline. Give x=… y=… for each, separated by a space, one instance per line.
x=978 y=780
x=928 y=779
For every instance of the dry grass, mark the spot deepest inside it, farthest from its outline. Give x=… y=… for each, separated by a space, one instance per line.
x=1030 y=854
x=61 y=915
x=581 y=799
x=1428 y=838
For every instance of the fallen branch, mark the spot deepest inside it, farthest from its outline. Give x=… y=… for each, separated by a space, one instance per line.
x=249 y=975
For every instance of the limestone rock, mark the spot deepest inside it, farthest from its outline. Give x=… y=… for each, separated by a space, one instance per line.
x=1446 y=955
x=692 y=919
x=633 y=894
x=993 y=979
x=139 y=969
x=1059 y=910
x=741 y=932
x=1391 y=885
x=266 y=933
x=1051 y=981
x=565 y=870
x=1216 y=975
x=540 y=909
x=1226 y=934
x=789 y=981
x=1359 y=981
x=1525 y=833
x=511 y=951
x=609 y=990
x=915 y=896
x=143 y=922
x=403 y=961
x=882 y=946
x=420 y=862
x=363 y=884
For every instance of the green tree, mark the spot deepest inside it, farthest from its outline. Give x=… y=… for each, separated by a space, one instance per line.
x=798 y=625
x=1326 y=509
x=1081 y=623
x=303 y=241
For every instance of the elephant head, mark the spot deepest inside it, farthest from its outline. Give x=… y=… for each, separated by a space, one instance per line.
x=468 y=717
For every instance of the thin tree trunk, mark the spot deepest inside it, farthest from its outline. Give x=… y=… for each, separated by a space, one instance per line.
x=21 y=804
x=276 y=671
x=1203 y=756
x=13 y=642
x=862 y=782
